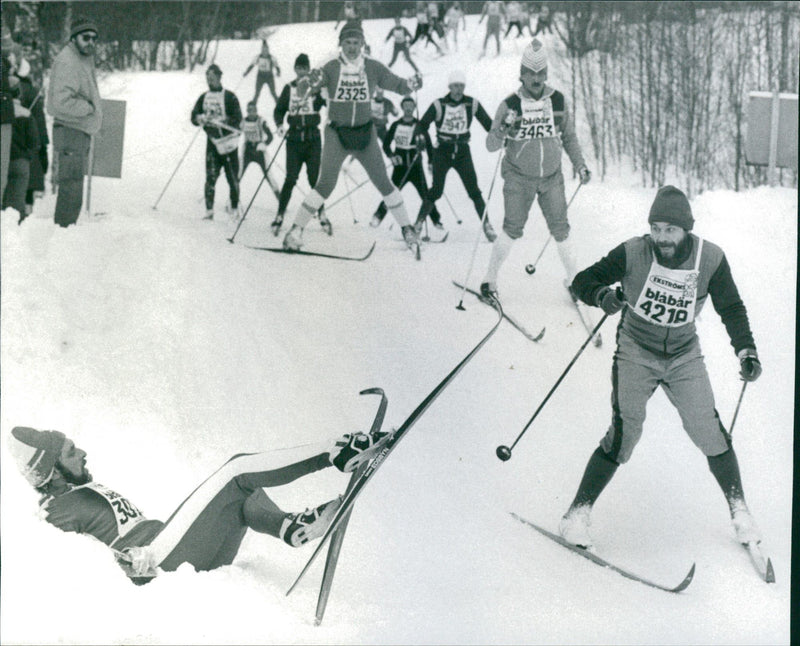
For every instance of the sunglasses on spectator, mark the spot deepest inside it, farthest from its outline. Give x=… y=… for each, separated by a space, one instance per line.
x=88 y=38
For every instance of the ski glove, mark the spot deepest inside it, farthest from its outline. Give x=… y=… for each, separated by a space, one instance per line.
x=610 y=300
x=415 y=82
x=280 y=132
x=397 y=160
x=315 y=77
x=750 y=365
x=138 y=561
x=584 y=174
x=262 y=147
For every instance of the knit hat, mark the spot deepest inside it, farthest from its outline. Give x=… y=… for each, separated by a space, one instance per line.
x=456 y=76
x=81 y=24
x=671 y=206
x=351 y=29
x=36 y=452
x=533 y=58
x=215 y=69
x=302 y=61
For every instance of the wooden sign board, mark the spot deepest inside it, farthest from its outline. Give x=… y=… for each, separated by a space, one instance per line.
x=109 y=142
x=772 y=130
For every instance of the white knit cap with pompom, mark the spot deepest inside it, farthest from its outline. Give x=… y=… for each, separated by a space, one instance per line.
x=534 y=58
x=457 y=76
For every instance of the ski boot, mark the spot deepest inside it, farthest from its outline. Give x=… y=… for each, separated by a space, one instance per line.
x=276 y=224
x=489 y=294
x=353 y=450
x=745 y=527
x=209 y=214
x=488 y=231
x=574 y=527
x=298 y=529
x=293 y=239
x=412 y=239
x=376 y=220
x=419 y=224
x=324 y=222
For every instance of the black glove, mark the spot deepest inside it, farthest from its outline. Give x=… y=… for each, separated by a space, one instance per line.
x=610 y=300
x=750 y=365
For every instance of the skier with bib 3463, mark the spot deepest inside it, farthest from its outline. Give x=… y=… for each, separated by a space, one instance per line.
x=535 y=126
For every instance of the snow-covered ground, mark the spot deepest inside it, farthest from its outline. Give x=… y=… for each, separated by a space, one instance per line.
x=162 y=350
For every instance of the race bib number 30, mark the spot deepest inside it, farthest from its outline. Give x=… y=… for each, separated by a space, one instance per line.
x=125 y=513
x=352 y=87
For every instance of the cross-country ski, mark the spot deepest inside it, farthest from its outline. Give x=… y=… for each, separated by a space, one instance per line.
x=514 y=322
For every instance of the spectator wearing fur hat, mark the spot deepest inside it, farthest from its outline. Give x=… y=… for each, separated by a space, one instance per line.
x=535 y=126
x=452 y=115
x=666 y=278
x=208 y=527
x=73 y=101
x=350 y=80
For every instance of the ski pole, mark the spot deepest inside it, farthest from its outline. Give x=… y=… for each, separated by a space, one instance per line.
x=260 y=184
x=736 y=412
x=531 y=268
x=199 y=130
x=504 y=452
x=353 y=190
x=460 y=305
x=90 y=166
x=447 y=199
x=349 y=198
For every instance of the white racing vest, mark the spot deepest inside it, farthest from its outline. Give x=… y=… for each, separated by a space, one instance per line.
x=264 y=63
x=300 y=102
x=404 y=136
x=253 y=130
x=214 y=105
x=454 y=121
x=352 y=86
x=126 y=515
x=669 y=296
x=537 y=120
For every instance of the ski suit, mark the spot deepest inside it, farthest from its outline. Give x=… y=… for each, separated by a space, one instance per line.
x=207 y=528
x=402 y=37
x=403 y=134
x=532 y=163
x=657 y=343
x=221 y=106
x=453 y=120
x=303 y=141
x=266 y=69
x=257 y=136
x=350 y=87
x=494 y=11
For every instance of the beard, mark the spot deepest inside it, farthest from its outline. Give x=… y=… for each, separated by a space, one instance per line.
x=671 y=254
x=81 y=478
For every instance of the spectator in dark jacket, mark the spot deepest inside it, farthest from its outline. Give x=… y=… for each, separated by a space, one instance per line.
x=24 y=144
x=32 y=98
x=6 y=118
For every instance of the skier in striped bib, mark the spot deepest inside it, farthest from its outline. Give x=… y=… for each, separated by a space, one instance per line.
x=666 y=278
x=257 y=136
x=208 y=527
x=535 y=126
x=350 y=80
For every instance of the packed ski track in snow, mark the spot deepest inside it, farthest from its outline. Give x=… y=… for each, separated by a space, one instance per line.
x=162 y=350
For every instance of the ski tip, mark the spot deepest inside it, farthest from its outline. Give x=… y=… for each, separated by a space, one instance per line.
x=372 y=391
x=686 y=581
x=539 y=336
x=770 y=575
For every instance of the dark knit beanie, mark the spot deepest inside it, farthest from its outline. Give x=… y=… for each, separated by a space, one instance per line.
x=215 y=69
x=671 y=206
x=81 y=24
x=351 y=29
x=302 y=61
x=36 y=452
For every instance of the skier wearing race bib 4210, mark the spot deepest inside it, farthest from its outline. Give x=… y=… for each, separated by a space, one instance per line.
x=666 y=278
